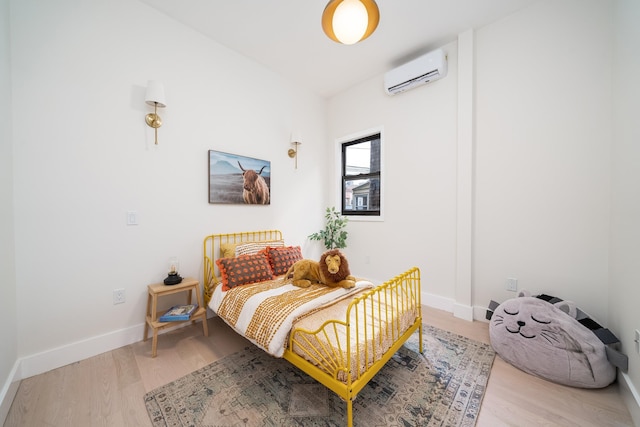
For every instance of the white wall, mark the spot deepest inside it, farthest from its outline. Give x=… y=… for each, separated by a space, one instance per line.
x=625 y=228
x=8 y=329
x=419 y=144
x=543 y=139
x=83 y=157
x=541 y=169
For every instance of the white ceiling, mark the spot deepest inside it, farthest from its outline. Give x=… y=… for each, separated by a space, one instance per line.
x=286 y=36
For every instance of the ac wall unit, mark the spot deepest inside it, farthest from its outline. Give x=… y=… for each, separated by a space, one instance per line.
x=424 y=69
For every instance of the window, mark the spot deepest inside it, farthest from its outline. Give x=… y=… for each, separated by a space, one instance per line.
x=361 y=177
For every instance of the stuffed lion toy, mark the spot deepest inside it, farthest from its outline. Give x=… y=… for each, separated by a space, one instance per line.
x=332 y=271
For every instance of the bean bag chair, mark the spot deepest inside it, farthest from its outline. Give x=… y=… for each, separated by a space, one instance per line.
x=553 y=339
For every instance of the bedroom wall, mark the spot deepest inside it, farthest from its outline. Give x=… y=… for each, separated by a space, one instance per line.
x=625 y=183
x=8 y=328
x=83 y=157
x=419 y=178
x=541 y=166
x=543 y=140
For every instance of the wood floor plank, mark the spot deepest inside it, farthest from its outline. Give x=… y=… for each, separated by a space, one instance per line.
x=108 y=389
x=74 y=400
x=104 y=388
x=27 y=398
x=126 y=368
x=131 y=406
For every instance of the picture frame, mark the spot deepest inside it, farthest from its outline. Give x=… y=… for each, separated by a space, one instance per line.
x=236 y=179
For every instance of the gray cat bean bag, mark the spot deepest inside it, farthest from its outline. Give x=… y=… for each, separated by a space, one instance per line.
x=548 y=341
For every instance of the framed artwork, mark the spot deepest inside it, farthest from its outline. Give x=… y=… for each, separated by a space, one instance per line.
x=235 y=179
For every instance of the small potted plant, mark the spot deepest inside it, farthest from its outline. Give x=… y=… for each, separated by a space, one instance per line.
x=334 y=235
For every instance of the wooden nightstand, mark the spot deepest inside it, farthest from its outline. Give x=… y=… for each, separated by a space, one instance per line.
x=189 y=285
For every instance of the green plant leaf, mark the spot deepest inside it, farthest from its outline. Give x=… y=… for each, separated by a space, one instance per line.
x=333 y=236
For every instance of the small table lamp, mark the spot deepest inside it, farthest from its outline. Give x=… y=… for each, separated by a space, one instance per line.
x=173 y=278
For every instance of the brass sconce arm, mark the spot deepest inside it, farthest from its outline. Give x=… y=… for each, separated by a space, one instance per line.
x=153 y=120
x=293 y=152
x=155 y=97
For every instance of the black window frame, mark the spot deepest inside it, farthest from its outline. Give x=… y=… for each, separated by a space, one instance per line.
x=371 y=176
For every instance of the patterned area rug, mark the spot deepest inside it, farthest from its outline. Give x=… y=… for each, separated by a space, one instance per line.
x=442 y=387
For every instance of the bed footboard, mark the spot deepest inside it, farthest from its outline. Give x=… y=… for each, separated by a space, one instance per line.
x=345 y=354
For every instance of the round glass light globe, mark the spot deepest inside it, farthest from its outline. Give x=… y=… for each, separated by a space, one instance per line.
x=350 y=21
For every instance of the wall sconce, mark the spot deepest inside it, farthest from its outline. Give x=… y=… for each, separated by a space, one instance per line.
x=350 y=21
x=155 y=97
x=293 y=152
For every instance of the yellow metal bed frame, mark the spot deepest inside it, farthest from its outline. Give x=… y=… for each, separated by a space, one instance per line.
x=376 y=310
x=211 y=249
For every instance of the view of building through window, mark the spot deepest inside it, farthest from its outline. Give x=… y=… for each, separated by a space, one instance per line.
x=361 y=176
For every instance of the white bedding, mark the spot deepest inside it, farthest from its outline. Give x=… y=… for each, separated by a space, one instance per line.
x=265 y=320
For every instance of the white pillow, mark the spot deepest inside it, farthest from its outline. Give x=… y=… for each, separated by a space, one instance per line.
x=250 y=248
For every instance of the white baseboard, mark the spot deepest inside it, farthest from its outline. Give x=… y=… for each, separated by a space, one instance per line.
x=480 y=313
x=464 y=312
x=435 y=301
x=630 y=397
x=61 y=356
x=9 y=391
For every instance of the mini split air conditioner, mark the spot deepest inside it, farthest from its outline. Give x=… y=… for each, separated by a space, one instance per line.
x=424 y=69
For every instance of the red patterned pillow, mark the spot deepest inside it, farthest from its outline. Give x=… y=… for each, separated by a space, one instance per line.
x=243 y=270
x=281 y=259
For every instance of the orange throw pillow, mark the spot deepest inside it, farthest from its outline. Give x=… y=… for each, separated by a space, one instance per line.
x=243 y=270
x=280 y=259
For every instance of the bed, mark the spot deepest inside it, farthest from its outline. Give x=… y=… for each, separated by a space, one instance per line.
x=339 y=337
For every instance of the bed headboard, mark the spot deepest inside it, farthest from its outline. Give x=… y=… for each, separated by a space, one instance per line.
x=211 y=252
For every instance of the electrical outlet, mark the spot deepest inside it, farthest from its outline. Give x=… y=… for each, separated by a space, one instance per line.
x=118 y=296
x=512 y=284
x=132 y=218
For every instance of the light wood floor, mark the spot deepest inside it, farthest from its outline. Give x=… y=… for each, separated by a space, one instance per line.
x=108 y=389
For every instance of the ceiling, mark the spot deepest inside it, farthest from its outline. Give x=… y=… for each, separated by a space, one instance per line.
x=286 y=37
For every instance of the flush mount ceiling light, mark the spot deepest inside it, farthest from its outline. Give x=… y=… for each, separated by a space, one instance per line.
x=350 y=21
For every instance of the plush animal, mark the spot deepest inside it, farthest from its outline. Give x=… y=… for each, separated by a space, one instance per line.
x=332 y=270
x=547 y=340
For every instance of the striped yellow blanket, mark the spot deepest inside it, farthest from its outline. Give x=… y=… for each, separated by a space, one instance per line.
x=264 y=312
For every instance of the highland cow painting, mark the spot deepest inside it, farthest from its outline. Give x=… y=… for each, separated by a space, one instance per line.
x=235 y=179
